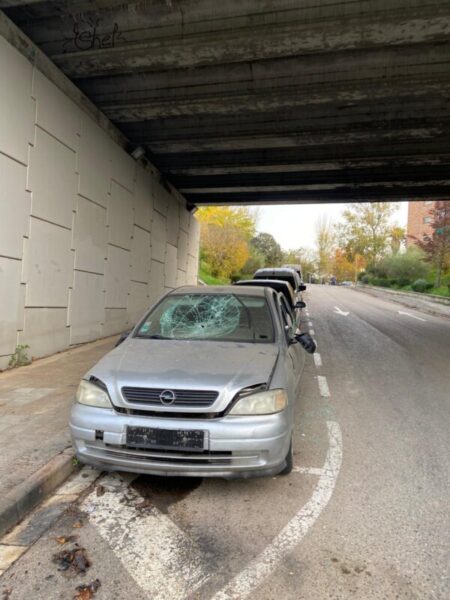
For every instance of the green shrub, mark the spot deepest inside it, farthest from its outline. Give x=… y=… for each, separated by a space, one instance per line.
x=421 y=285
x=361 y=275
x=409 y=265
x=403 y=281
x=365 y=278
x=381 y=282
x=20 y=356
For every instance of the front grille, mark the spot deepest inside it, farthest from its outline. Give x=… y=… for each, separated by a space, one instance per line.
x=183 y=398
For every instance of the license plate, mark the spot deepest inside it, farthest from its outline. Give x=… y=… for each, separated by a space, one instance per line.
x=166 y=439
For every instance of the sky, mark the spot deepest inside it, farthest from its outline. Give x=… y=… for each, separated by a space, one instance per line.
x=293 y=226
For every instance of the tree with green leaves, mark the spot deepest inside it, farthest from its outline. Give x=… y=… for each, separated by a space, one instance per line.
x=267 y=247
x=366 y=230
x=436 y=244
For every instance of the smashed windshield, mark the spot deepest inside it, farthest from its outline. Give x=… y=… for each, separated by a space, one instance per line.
x=226 y=317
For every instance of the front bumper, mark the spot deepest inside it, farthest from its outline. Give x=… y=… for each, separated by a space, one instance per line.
x=234 y=447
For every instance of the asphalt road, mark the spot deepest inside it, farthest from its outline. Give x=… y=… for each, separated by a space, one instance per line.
x=365 y=515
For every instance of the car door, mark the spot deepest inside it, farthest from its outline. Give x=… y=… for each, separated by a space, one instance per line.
x=294 y=350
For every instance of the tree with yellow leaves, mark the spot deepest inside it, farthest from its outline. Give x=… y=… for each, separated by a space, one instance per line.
x=225 y=233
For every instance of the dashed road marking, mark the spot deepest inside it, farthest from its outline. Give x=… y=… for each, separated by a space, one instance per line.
x=263 y=565
x=323 y=386
x=310 y=324
x=317 y=359
x=401 y=312
x=312 y=332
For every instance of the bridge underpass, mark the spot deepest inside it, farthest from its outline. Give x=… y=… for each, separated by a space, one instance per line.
x=250 y=101
x=232 y=102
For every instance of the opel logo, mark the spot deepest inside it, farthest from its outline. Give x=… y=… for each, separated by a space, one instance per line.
x=167 y=397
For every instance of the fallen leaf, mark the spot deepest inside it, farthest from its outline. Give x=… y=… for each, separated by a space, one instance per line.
x=86 y=592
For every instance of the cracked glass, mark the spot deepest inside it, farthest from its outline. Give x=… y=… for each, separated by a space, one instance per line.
x=227 y=317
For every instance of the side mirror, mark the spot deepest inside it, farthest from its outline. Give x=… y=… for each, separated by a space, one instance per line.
x=306 y=341
x=123 y=336
x=300 y=304
x=301 y=287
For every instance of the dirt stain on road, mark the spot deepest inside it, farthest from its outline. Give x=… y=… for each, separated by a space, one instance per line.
x=162 y=492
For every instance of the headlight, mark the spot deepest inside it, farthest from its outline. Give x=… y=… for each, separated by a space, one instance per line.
x=262 y=403
x=92 y=395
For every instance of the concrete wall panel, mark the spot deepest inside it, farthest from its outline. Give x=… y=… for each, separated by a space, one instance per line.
x=48 y=265
x=94 y=162
x=173 y=222
x=182 y=250
x=138 y=302
x=181 y=278
x=156 y=285
x=143 y=199
x=87 y=307
x=17 y=107
x=53 y=180
x=55 y=112
x=11 y=304
x=192 y=270
x=123 y=167
x=171 y=267
x=140 y=255
x=159 y=237
x=84 y=226
x=117 y=277
x=115 y=321
x=161 y=198
x=14 y=207
x=90 y=236
x=120 y=216
x=45 y=331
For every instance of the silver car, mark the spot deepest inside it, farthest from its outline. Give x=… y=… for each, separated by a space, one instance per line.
x=205 y=385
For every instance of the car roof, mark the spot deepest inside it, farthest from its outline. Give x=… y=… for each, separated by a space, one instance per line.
x=269 y=282
x=219 y=289
x=276 y=271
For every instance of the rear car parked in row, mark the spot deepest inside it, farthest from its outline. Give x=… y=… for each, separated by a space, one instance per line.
x=205 y=385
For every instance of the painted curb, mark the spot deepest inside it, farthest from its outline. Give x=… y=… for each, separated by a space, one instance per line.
x=17 y=503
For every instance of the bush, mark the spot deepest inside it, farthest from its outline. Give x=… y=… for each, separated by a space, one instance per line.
x=421 y=285
x=408 y=265
x=402 y=281
x=380 y=281
x=361 y=275
x=365 y=278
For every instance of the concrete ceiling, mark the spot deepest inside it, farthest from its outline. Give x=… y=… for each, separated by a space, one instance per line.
x=264 y=101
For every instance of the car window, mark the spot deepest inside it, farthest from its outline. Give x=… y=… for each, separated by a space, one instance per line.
x=225 y=317
x=286 y=320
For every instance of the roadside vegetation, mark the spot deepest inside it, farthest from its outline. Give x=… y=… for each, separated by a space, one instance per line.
x=230 y=248
x=365 y=246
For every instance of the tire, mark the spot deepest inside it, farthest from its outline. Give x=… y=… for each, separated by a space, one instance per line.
x=289 y=460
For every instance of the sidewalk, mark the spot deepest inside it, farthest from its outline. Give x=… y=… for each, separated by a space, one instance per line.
x=35 y=403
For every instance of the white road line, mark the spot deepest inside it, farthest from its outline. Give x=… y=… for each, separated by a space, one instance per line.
x=157 y=554
x=317 y=359
x=400 y=312
x=308 y=470
x=315 y=341
x=312 y=332
x=323 y=386
x=310 y=324
x=288 y=538
x=338 y=311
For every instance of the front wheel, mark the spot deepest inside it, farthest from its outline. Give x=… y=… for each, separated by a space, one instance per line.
x=289 y=460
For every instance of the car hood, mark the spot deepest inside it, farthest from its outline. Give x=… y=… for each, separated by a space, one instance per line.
x=181 y=364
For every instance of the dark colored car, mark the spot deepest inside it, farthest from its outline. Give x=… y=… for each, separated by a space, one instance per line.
x=289 y=275
x=293 y=305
